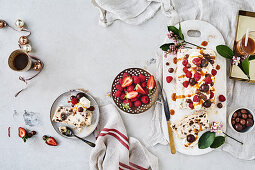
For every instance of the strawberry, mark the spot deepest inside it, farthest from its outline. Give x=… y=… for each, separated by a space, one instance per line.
x=131 y=95
x=74 y=101
x=169 y=79
x=50 y=140
x=130 y=88
x=185 y=84
x=145 y=99
x=117 y=94
x=126 y=104
x=122 y=96
x=144 y=84
x=151 y=83
x=137 y=103
x=118 y=87
x=222 y=98
x=139 y=89
x=23 y=134
x=136 y=80
x=126 y=74
x=142 y=77
x=127 y=81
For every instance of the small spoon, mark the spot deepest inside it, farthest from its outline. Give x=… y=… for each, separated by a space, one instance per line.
x=69 y=133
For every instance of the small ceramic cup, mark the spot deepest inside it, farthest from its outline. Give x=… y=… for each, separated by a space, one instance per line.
x=247 y=129
x=20 y=61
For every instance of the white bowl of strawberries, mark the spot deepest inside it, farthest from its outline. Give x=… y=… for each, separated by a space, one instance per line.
x=134 y=90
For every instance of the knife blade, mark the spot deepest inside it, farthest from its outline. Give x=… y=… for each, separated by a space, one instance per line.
x=163 y=96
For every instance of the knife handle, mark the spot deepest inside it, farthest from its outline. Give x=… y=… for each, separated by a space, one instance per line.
x=171 y=138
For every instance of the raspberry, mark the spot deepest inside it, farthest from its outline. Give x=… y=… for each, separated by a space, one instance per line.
x=191 y=105
x=196 y=98
x=188 y=74
x=118 y=87
x=185 y=84
x=196 y=61
x=136 y=80
x=134 y=99
x=117 y=94
x=211 y=95
x=145 y=99
x=130 y=88
x=185 y=69
x=125 y=74
x=122 y=96
x=197 y=76
x=208 y=80
x=214 y=72
x=137 y=103
x=144 y=84
x=222 y=98
x=120 y=80
x=169 y=79
x=142 y=77
x=185 y=62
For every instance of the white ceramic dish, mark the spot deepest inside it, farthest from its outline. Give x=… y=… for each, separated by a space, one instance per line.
x=249 y=129
x=210 y=34
x=62 y=100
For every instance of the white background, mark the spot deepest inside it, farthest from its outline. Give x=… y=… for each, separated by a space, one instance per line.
x=78 y=53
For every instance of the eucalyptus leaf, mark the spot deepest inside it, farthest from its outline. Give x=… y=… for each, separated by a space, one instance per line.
x=173 y=29
x=206 y=140
x=246 y=66
x=180 y=32
x=252 y=57
x=218 y=141
x=165 y=47
x=225 y=51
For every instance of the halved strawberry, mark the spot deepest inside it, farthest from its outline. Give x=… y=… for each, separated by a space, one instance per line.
x=139 y=89
x=23 y=134
x=127 y=81
x=50 y=140
x=131 y=95
x=151 y=83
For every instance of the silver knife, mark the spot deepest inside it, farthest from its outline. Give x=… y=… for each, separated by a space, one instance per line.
x=162 y=95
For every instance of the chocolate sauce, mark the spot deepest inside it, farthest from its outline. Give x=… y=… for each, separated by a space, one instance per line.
x=20 y=61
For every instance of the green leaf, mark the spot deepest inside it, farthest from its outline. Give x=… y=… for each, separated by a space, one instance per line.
x=206 y=140
x=246 y=66
x=218 y=141
x=173 y=29
x=165 y=47
x=252 y=57
x=180 y=32
x=225 y=51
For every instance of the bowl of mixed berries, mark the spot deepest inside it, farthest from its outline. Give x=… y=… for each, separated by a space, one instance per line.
x=134 y=90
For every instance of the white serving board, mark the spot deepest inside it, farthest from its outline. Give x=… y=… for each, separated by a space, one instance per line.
x=210 y=34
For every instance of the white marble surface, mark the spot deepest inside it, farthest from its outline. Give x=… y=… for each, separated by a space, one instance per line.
x=78 y=53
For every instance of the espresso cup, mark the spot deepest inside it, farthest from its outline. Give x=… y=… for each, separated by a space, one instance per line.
x=20 y=61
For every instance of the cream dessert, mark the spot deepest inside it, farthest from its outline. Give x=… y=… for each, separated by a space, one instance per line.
x=195 y=78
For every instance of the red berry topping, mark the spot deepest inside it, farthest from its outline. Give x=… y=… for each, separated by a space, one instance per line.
x=122 y=96
x=222 y=98
x=211 y=95
x=74 y=101
x=169 y=79
x=208 y=80
x=137 y=103
x=214 y=72
x=120 y=80
x=118 y=87
x=185 y=84
x=117 y=93
x=130 y=88
x=144 y=84
x=185 y=69
x=196 y=98
x=145 y=99
x=125 y=74
x=136 y=79
x=191 y=105
x=188 y=74
x=142 y=77
x=196 y=61
x=197 y=76
x=185 y=62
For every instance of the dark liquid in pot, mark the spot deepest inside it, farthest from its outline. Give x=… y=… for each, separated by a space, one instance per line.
x=250 y=45
x=20 y=61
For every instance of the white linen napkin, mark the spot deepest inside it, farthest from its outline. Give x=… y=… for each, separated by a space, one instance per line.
x=130 y=11
x=114 y=149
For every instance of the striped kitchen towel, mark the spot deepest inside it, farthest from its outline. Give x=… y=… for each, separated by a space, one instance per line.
x=114 y=149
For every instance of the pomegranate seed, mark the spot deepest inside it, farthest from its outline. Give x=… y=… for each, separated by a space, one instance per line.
x=222 y=98
x=188 y=74
x=185 y=69
x=214 y=72
x=185 y=62
x=211 y=95
x=185 y=84
x=197 y=76
x=169 y=79
x=191 y=105
x=195 y=98
x=196 y=61
x=208 y=80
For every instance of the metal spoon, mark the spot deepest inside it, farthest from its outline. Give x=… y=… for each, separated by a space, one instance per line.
x=69 y=133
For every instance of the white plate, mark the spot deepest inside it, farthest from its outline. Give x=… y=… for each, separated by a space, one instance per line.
x=62 y=100
x=210 y=34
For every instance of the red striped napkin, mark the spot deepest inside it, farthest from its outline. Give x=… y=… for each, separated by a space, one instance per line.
x=114 y=149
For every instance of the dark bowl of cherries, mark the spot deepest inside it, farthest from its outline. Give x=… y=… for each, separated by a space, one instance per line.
x=242 y=120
